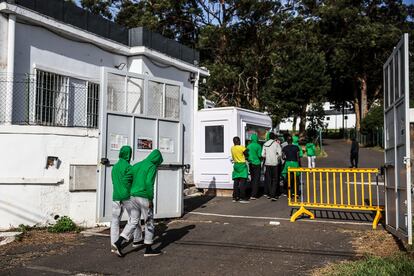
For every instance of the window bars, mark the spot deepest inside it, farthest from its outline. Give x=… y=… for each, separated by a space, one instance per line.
x=49 y=99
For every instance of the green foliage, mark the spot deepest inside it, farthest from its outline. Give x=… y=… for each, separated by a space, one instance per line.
x=24 y=228
x=278 y=56
x=375 y=266
x=374 y=119
x=316 y=116
x=64 y=224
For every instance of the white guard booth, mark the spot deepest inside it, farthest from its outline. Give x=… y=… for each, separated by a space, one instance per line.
x=215 y=131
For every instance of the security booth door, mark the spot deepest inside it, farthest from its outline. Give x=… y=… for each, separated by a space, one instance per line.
x=141 y=112
x=397 y=142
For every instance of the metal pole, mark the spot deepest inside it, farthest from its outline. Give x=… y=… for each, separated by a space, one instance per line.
x=10 y=68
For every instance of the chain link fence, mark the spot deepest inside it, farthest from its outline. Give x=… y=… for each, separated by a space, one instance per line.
x=48 y=99
x=371 y=138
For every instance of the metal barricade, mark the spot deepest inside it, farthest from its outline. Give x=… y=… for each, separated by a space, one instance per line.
x=333 y=188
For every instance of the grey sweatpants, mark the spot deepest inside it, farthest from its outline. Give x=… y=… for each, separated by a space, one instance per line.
x=118 y=208
x=137 y=206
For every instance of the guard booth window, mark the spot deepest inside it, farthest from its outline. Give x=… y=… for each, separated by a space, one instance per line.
x=214 y=139
x=259 y=130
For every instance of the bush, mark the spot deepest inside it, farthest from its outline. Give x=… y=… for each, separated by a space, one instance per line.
x=64 y=224
x=397 y=265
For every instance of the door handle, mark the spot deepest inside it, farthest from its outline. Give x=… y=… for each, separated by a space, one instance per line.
x=105 y=161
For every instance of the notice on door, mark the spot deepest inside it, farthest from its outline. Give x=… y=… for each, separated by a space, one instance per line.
x=166 y=145
x=144 y=143
x=117 y=141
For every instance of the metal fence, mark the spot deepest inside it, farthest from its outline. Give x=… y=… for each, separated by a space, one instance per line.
x=371 y=138
x=48 y=99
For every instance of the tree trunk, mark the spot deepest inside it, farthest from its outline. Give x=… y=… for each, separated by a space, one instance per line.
x=364 y=96
x=302 y=123
x=357 y=114
x=295 y=119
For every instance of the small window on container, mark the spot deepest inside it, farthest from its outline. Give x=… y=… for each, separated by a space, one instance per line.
x=328 y=118
x=346 y=117
x=214 y=139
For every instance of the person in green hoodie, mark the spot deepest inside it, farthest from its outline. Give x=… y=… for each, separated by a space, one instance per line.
x=310 y=152
x=295 y=141
x=255 y=168
x=120 y=194
x=142 y=175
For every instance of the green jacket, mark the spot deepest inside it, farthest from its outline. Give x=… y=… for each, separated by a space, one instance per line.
x=255 y=150
x=143 y=175
x=120 y=181
x=295 y=141
x=310 y=149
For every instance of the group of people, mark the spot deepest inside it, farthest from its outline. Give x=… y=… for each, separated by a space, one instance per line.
x=133 y=191
x=276 y=156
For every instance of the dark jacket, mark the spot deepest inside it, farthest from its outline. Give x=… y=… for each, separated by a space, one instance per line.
x=354 y=148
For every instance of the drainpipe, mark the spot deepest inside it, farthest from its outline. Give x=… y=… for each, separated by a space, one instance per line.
x=195 y=116
x=10 y=68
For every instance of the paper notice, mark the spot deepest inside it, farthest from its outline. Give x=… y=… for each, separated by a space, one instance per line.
x=166 y=145
x=117 y=141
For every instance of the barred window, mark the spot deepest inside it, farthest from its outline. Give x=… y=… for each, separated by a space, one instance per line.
x=51 y=99
x=65 y=101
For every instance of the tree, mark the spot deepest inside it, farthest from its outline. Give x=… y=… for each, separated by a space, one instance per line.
x=357 y=37
x=300 y=75
x=100 y=7
x=316 y=116
x=176 y=19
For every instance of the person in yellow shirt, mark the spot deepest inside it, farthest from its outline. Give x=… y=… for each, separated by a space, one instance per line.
x=240 y=171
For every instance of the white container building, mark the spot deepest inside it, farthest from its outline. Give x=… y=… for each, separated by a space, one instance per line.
x=215 y=130
x=73 y=89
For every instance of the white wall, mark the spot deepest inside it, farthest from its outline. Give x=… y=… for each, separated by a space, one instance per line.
x=36 y=45
x=35 y=199
x=38 y=197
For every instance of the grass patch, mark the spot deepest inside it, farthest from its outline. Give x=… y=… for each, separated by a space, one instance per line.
x=400 y=264
x=64 y=224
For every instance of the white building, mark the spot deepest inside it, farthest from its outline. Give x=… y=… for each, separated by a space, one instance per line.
x=61 y=75
x=215 y=131
x=334 y=119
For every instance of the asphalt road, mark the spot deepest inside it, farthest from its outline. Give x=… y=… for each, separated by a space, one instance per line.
x=217 y=237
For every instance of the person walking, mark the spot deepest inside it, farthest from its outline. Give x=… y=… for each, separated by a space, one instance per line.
x=295 y=141
x=292 y=160
x=272 y=153
x=120 y=193
x=354 y=153
x=143 y=176
x=240 y=171
x=310 y=152
x=255 y=168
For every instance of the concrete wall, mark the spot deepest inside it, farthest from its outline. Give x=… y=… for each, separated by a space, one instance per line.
x=32 y=194
x=36 y=45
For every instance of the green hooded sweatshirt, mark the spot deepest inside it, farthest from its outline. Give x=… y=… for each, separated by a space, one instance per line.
x=295 y=141
x=120 y=181
x=255 y=150
x=143 y=175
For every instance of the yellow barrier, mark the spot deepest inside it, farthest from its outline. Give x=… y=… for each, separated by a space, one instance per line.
x=338 y=189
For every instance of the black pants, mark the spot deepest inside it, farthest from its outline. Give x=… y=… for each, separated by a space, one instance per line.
x=239 y=188
x=255 y=171
x=272 y=181
x=354 y=160
x=292 y=184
